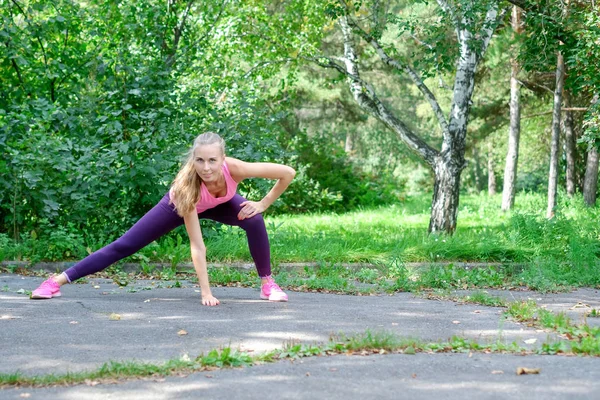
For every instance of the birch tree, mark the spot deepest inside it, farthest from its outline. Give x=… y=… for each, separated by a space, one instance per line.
x=554 y=143
x=472 y=24
x=512 y=154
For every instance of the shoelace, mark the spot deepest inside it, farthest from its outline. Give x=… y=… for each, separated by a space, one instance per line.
x=48 y=285
x=273 y=285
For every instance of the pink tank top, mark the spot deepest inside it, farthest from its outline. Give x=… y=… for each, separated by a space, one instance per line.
x=207 y=200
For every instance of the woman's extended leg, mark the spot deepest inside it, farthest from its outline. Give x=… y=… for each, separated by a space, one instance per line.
x=258 y=242
x=160 y=220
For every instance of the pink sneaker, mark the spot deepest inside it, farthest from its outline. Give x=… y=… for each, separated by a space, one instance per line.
x=47 y=290
x=272 y=292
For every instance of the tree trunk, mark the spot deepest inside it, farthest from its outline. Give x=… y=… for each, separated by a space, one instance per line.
x=590 y=183
x=554 y=147
x=570 y=147
x=444 y=206
x=477 y=169
x=514 y=132
x=349 y=145
x=491 y=173
x=449 y=162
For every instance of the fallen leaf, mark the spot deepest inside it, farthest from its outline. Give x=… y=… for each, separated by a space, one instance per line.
x=456 y=322
x=308 y=374
x=114 y=317
x=182 y=332
x=530 y=341
x=208 y=376
x=477 y=312
x=409 y=350
x=580 y=305
x=470 y=354
x=382 y=351
x=90 y=382
x=527 y=371
x=414 y=376
x=497 y=372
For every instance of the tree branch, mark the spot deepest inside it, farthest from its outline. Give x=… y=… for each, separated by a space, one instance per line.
x=450 y=11
x=492 y=18
x=365 y=96
x=437 y=110
x=212 y=25
x=178 y=31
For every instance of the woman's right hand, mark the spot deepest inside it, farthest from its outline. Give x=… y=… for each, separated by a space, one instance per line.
x=210 y=300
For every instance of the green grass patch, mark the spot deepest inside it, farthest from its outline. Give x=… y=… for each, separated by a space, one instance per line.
x=552 y=255
x=479 y=297
x=362 y=344
x=583 y=339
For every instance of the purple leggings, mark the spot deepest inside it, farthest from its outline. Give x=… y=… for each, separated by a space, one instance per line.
x=162 y=219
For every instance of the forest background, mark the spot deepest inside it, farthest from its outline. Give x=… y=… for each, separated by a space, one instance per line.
x=380 y=106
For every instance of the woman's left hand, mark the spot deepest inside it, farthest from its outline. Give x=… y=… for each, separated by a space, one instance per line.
x=250 y=209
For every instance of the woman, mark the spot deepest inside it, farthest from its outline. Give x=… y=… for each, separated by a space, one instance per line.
x=205 y=187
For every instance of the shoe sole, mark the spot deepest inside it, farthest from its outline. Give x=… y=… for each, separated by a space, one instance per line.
x=40 y=297
x=278 y=300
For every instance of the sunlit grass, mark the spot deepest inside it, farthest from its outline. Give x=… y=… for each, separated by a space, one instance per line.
x=553 y=253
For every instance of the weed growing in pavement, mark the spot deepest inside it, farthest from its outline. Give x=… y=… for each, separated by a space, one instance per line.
x=594 y=313
x=479 y=297
x=484 y=298
x=583 y=339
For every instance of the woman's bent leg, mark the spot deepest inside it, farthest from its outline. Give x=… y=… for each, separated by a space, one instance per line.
x=258 y=242
x=256 y=232
x=158 y=221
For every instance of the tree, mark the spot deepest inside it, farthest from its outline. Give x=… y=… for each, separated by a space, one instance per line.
x=570 y=142
x=554 y=146
x=590 y=185
x=512 y=155
x=563 y=36
x=473 y=23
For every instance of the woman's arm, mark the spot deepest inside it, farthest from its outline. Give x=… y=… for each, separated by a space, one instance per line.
x=241 y=170
x=192 y=225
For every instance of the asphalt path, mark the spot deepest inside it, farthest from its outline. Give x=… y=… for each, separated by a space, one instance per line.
x=98 y=321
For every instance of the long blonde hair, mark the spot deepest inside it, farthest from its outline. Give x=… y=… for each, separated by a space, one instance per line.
x=185 y=191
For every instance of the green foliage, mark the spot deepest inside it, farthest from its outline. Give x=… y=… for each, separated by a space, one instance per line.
x=330 y=182
x=226 y=358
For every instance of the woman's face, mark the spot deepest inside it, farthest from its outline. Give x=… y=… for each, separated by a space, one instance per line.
x=208 y=160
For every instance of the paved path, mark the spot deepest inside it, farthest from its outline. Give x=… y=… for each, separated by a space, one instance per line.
x=76 y=333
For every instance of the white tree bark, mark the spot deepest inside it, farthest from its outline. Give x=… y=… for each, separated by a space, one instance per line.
x=449 y=162
x=514 y=133
x=554 y=147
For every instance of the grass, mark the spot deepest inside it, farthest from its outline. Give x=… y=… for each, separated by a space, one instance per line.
x=546 y=255
x=361 y=344
x=582 y=339
x=478 y=297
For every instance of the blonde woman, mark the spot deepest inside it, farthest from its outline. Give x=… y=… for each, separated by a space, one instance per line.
x=205 y=187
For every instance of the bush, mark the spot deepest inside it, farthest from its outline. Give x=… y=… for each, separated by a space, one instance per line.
x=327 y=180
